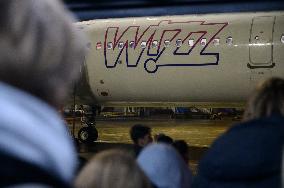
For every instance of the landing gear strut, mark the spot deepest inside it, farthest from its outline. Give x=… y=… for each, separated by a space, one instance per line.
x=88 y=134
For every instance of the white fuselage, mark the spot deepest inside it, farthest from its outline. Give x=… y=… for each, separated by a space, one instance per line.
x=182 y=60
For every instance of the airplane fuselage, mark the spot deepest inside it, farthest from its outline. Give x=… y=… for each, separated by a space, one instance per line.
x=182 y=60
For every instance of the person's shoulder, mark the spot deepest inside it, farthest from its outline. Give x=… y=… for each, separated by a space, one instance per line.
x=269 y=123
x=253 y=131
x=247 y=139
x=246 y=149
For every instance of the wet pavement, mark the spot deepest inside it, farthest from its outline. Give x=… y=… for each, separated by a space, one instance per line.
x=199 y=134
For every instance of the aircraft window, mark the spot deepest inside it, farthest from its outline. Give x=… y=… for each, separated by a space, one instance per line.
x=99 y=45
x=229 y=40
x=203 y=42
x=282 y=39
x=179 y=42
x=143 y=44
x=120 y=45
x=109 y=45
x=154 y=44
x=216 y=41
x=167 y=43
x=131 y=44
x=191 y=42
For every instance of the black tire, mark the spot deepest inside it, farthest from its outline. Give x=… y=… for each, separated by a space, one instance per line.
x=88 y=134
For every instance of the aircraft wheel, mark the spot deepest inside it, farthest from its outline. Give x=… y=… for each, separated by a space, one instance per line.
x=88 y=134
x=214 y=117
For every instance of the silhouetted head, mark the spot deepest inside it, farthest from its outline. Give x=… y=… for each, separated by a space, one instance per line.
x=183 y=149
x=112 y=169
x=40 y=50
x=267 y=100
x=141 y=135
x=162 y=138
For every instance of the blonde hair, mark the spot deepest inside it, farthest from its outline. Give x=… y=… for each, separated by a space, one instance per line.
x=112 y=169
x=40 y=50
x=268 y=99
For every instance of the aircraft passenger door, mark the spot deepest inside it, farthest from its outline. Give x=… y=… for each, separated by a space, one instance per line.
x=261 y=42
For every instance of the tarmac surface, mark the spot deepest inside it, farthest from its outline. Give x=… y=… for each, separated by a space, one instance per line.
x=114 y=133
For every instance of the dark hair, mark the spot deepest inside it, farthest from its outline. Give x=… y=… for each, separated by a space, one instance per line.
x=267 y=100
x=182 y=147
x=162 y=138
x=139 y=131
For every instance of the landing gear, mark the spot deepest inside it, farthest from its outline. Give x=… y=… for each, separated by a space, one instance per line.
x=88 y=134
x=215 y=116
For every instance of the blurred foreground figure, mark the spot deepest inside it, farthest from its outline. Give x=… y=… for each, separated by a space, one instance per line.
x=249 y=154
x=283 y=168
x=40 y=55
x=267 y=100
x=112 y=169
x=164 y=166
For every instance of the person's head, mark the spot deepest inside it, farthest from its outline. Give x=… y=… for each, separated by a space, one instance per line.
x=182 y=147
x=162 y=138
x=112 y=169
x=267 y=100
x=141 y=135
x=164 y=166
x=41 y=51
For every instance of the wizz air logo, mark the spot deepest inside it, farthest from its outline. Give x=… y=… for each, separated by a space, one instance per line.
x=154 y=45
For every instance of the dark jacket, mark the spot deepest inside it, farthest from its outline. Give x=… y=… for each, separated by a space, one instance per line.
x=247 y=155
x=136 y=150
x=15 y=172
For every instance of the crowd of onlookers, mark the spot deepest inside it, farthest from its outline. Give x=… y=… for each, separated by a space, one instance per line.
x=40 y=57
x=159 y=163
x=248 y=155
